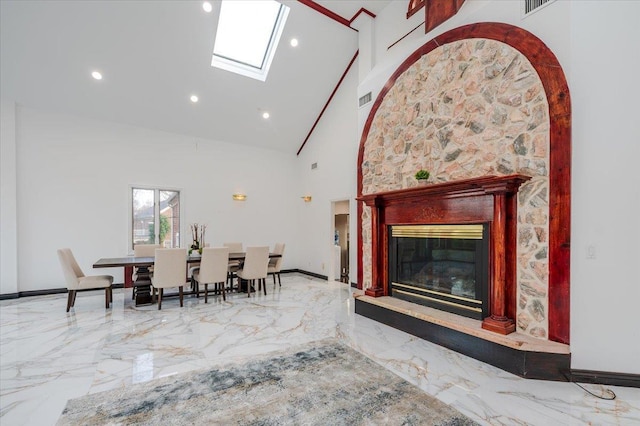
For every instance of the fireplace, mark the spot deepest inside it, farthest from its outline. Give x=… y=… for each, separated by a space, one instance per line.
x=488 y=201
x=441 y=266
x=440 y=228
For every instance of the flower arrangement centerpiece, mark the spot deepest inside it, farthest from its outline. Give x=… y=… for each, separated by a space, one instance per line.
x=197 y=235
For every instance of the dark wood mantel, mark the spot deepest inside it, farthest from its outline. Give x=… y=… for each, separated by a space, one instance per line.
x=488 y=199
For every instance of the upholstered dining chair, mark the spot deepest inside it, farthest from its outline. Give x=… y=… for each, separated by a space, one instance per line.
x=234 y=265
x=275 y=264
x=77 y=280
x=254 y=268
x=193 y=268
x=170 y=270
x=213 y=269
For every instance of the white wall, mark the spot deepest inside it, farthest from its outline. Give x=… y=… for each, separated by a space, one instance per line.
x=73 y=177
x=334 y=146
x=8 y=212
x=597 y=45
x=605 y=203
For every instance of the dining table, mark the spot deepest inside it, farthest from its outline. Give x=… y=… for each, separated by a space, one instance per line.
x=142 y=284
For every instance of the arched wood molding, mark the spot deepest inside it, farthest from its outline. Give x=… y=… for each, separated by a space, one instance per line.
x=550 y=72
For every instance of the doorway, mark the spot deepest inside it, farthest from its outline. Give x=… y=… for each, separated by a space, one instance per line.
x=341 y=241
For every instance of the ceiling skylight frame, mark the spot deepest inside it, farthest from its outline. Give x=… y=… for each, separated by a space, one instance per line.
x=249 y=70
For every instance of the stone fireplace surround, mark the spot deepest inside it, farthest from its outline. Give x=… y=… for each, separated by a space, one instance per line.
x=517 y=353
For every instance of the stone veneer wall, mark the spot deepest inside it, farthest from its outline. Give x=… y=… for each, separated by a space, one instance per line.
x=470 y=108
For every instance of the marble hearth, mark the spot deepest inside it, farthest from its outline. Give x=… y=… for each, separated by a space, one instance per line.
x=516 y=353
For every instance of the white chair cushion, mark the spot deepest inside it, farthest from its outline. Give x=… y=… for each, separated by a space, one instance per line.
x=95 y=281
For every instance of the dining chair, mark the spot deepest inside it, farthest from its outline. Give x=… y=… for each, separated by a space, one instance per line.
x=193 y=268
x=170 y=270
x=213 y=270
x=143 y=250
x=276 y=263
x=254 y=268
x=77 y=280
x=234 y=265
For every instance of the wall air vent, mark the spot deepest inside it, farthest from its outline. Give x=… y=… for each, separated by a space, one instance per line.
x=530 y=6
x=314 y=166
x=364 y=100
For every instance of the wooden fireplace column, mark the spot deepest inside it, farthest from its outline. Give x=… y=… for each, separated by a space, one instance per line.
x=490 y=199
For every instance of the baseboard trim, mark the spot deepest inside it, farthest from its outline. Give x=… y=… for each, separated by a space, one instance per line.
x=311 y=274
x=8 y=296
x=606 y=378
x=46 y=292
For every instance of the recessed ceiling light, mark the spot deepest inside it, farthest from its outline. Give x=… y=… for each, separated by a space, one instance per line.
x=194 y=98
x=265 y=115
x=294 y=42
x=96 y=75
x=207 y=7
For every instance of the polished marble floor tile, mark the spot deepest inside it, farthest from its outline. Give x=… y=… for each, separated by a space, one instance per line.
x=48 y=356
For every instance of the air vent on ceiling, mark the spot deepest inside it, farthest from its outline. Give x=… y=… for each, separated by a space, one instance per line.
x=530 y=6
x=364 y=100
x=314 y=166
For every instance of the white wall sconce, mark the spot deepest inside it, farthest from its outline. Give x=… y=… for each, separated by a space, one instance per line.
x=306 y=198
x=239 y=197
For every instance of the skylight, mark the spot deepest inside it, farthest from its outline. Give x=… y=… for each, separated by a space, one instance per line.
x=247 y=37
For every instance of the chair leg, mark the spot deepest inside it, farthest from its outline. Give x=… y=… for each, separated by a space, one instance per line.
x=224 y=296
x=206 y=293
x=70 y=300
x=264 y=285
x=159 y=298
x=106 y=297
x=181 y=296
x=111 y=295
x=73 y=301
x=274 y=279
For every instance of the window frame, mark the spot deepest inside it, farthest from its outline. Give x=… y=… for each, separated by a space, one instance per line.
x=238 y=67
x=157 y=189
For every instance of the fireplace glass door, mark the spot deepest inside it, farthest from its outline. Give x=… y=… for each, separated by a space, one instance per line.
x=441 y=266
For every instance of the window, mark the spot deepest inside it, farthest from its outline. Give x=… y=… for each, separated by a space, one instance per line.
x=247 y=36
x=155 y=217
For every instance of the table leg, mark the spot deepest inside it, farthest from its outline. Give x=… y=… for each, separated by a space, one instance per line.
x=142 y=287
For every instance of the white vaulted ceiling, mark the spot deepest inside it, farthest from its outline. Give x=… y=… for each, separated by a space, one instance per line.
x=155 y=54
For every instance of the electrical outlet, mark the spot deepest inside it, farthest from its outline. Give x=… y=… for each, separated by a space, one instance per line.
x=322 y=266
x=591 y=252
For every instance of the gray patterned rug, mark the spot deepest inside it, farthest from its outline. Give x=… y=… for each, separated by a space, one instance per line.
x=325 y=383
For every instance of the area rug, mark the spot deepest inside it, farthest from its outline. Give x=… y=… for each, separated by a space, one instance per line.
x=325 y=383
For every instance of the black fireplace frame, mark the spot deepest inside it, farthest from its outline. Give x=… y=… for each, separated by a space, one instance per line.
x=476 y=307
